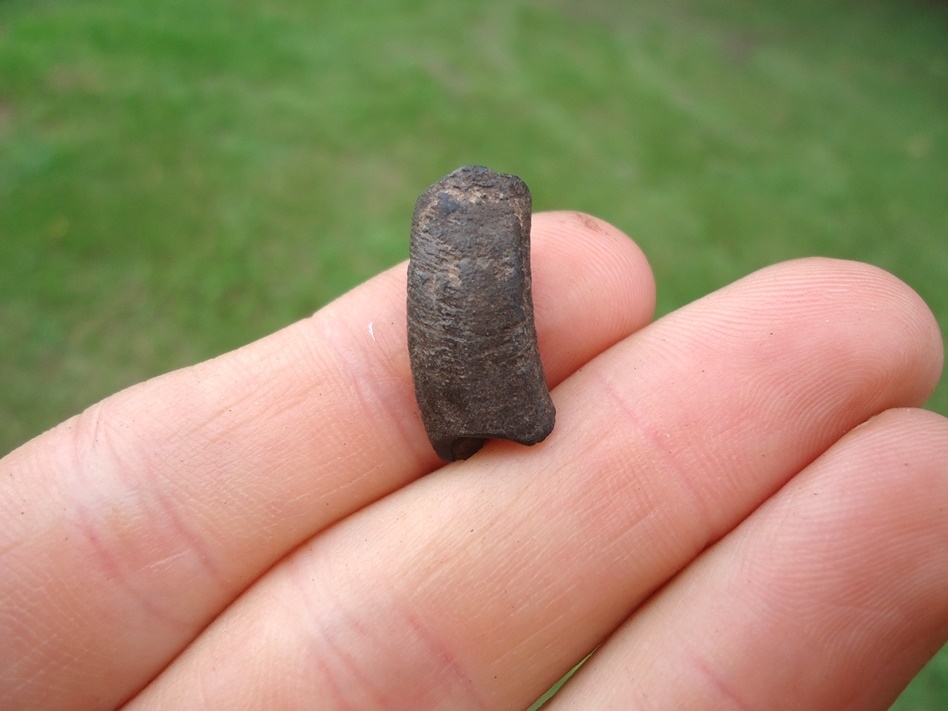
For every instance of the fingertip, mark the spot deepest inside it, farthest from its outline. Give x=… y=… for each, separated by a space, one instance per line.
x=578 y=249
x=592 y=285
x=888 y=311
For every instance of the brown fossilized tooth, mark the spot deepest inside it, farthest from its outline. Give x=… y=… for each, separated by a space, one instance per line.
x=471 y=336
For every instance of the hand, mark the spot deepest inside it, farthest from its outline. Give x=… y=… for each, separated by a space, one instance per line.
x=739 y=504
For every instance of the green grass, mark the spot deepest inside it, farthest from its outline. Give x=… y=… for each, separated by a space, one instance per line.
x=179 y=178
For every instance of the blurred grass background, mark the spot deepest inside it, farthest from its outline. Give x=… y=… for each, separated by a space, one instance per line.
x=179 y=178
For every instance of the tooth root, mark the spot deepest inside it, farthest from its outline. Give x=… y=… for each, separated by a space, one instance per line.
x=471 y=336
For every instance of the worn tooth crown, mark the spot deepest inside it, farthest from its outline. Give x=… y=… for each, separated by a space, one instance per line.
x=471 y=336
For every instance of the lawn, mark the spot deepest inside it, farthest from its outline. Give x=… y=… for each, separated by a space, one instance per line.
x=179 y=178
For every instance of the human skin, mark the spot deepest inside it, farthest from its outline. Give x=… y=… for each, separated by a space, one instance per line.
x=741 y=504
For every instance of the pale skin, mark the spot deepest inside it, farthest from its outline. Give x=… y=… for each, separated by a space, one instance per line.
x=742 y=505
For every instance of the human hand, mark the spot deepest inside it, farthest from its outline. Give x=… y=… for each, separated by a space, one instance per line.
x=737 y=503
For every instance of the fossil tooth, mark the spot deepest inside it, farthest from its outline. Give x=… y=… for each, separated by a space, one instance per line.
x=471 y=336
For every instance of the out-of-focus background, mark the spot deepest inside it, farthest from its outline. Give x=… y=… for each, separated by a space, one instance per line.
x=179 y=178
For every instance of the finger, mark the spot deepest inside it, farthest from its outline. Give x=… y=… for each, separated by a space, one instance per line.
x=129 y=527
x=479 y=585
x=831 y=596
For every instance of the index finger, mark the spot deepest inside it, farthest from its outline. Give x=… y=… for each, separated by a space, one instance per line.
x=130 y=526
